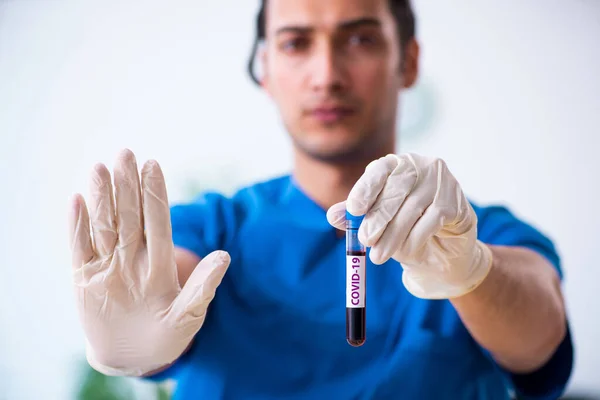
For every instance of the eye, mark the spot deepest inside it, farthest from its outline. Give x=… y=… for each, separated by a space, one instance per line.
x=361 y=40
x=294 y=44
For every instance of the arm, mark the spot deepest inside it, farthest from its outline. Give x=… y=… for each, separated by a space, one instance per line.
x=509 y=298
x=517 y=313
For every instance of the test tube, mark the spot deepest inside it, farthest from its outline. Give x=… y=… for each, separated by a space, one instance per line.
x=355 y=283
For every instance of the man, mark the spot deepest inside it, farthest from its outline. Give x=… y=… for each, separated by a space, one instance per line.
x=243 y=297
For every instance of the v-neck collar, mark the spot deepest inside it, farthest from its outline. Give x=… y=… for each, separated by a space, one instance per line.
x=304 y=208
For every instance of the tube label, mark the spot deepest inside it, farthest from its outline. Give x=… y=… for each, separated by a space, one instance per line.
x=355 y=281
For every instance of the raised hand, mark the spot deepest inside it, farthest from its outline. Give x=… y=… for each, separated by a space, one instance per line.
x=135 y=315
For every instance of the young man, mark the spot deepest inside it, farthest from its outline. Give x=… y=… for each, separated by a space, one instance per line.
x=466 y=303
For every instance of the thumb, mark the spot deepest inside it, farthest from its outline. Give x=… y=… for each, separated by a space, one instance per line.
x=336 y=215
x=199 y=290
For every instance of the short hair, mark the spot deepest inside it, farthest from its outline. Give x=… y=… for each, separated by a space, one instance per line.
x=401 y=10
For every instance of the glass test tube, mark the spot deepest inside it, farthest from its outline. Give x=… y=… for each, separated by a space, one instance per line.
x=355 y=283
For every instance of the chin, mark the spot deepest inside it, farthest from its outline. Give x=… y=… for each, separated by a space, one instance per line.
x=332 y=151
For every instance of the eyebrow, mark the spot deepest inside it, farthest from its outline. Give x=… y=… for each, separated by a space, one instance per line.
x=345 y=25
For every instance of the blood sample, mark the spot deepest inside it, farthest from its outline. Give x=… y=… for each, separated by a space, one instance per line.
x=355 y=283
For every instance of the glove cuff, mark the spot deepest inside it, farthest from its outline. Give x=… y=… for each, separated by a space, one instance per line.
x=120 y=371
x=480 y=268
x=428 y=287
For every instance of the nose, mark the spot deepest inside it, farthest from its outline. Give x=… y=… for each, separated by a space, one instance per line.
x=327 y=69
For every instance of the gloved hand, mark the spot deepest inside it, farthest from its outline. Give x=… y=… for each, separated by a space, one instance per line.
x=416 y=213
x=135 y=316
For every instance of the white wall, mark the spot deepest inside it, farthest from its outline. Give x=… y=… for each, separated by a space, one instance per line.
x=516 y=106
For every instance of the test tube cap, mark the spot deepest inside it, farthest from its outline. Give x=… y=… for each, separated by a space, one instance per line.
x=353 y=221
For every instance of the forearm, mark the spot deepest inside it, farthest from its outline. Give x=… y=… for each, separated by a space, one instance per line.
x=517 y=313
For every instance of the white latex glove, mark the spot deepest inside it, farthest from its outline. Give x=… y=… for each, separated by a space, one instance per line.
x=416 y=213
x=135 y=316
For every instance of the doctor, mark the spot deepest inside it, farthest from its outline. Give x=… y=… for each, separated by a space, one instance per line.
x=243 y=297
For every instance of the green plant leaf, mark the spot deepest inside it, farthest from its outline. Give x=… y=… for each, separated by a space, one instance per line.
x=96 y=386
x=162 y=393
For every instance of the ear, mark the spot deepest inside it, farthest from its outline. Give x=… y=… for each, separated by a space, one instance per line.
x=410 y=63
x=264 y=72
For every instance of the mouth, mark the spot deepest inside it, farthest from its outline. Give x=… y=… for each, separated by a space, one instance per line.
x=331 y=114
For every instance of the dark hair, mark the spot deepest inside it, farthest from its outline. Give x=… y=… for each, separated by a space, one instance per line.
x=401 y=10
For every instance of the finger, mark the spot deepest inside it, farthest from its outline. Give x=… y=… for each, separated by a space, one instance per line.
x=398 y=229
x=369 y=185
x=430 y=224
x=397 y=188
x=102 y=211
x=128 y=200
x=82 y=250
x=336 y=215
x=449 y=210
x=192 y=302
x=157 y=223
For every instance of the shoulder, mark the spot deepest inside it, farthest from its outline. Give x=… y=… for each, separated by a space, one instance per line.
x=267 y=192
x=498 y=225
x=211 y=220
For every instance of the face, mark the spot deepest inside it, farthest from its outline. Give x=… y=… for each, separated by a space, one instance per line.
x=333 y=69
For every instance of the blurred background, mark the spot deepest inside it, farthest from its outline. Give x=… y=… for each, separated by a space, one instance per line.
x=509 y=96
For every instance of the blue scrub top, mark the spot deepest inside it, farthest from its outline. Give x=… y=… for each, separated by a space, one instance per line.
x=276 y=327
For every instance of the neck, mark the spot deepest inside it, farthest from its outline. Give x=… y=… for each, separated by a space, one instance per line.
x=329 y=183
